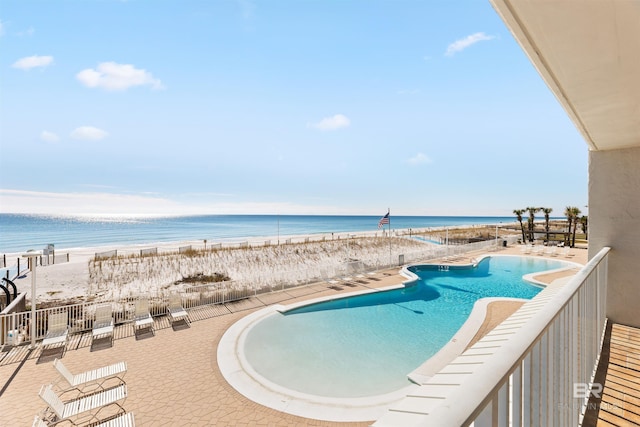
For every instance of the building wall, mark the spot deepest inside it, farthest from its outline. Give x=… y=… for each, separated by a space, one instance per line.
x=614 y=221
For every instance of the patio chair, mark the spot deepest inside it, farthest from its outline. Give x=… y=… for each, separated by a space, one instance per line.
x=92 y=378
x=82 y=409
x=176 y=310
x=57 y=330
x=143 y=317
x=333 y=283
x=122 y=420
x=103 y=323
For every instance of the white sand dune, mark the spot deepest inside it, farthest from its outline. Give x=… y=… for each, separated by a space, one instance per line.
x=255 y=265
x=251 y=267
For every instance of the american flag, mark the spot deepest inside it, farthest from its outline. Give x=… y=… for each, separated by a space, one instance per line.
x=384 y=220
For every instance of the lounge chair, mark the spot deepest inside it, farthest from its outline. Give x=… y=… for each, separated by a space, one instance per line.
x=92 y=378
x=176 y=310
x=143 y=317
x=81 y=410
x=103 y=323
x=39 y=422
x=57 y=330
x=333 y=283
x=123 y=420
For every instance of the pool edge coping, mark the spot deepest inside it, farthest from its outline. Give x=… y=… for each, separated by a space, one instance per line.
x=237 y=371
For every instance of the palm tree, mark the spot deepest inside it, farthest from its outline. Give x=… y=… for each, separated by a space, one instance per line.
x=569 y=214
x=530 y=221
x=547 y=212
x=576 y=213
x=584 y=221
x=518 y=213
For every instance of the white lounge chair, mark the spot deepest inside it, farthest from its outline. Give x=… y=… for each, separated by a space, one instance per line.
x=176 y=310
x=39 y=422
x=80 y=410
x=57 y=330
x=326 y=277
x=143 y=317
x=122 y=420
x=103 y=323
x=92 y=378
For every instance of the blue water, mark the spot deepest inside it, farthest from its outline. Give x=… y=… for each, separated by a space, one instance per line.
x=424 y=239
x=366 y=345
x=22 y=232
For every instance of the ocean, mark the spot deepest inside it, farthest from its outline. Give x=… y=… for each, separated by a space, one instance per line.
x=20 y=232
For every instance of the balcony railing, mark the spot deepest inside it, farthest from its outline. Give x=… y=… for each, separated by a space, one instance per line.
x=536 y=368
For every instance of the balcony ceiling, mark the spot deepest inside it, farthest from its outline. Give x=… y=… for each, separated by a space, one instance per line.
x=588 y=53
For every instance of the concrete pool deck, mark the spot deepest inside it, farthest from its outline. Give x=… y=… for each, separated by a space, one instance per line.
x=173 y=377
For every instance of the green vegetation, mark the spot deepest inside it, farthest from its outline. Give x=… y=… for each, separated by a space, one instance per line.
x=205 y=278
x=569 y=236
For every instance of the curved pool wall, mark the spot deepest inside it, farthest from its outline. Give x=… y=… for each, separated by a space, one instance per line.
x=239 y=372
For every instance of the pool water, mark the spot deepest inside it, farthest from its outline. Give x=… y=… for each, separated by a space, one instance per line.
x=365 y=345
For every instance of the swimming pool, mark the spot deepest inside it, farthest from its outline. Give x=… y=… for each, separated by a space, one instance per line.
x=425 y=239
x=364 y=346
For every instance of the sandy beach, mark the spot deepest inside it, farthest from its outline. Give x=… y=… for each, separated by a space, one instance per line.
x=257 y=266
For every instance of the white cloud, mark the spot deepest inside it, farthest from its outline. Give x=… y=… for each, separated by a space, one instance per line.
x=464 y=43
x=42 y=202
x=332 y=123
x=419 y=159
x=47 y=136
x=88 y=133
x=26 y=33
x=1 y=28
x=32 y=62
x=113 y=204
x=112 y=76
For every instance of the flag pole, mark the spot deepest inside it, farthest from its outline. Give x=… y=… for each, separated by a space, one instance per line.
x=389 y=223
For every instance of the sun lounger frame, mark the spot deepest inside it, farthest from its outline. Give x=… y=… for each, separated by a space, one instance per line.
x=143 y=317
x=57 y=330
x=91 y=379
x=82 y=409
x=176 y=310
x=122 y=420
x=103 y=323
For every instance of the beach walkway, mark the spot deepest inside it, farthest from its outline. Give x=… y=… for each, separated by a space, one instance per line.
x=173 y=376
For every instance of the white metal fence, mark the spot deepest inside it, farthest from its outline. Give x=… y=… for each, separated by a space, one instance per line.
x=534 y=369
x=81 y=315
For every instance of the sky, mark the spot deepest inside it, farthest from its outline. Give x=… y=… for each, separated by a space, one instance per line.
x=277 y=107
